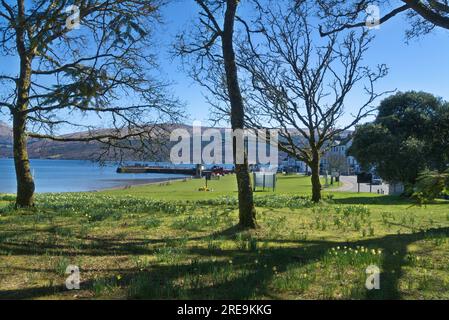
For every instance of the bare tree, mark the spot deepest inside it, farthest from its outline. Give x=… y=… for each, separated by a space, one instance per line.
x=336 y=162
x=301 y=82
x=67 y=76
x=425 y=15
x=214 y=66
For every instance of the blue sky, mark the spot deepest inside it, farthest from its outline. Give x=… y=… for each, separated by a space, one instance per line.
x=423 y=64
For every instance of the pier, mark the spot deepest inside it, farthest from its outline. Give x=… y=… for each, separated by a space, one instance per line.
x=134 y=169
x=172 y=170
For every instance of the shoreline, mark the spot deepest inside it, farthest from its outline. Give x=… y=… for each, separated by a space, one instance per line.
x=127 y=183
x=95 y=179
x=137 y=183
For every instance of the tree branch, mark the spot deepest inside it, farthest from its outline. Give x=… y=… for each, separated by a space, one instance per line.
x=383 y=19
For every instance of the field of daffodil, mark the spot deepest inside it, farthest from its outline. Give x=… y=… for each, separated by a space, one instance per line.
x=129 y=244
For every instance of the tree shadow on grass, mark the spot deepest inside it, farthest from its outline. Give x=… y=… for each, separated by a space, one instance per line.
x=96 y=246
x=395 y=247
x=383 y=200
x=234 y=280
x=235 y=275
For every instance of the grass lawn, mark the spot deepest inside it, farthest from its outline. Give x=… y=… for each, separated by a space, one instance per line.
x=226 y=186
x=172 y=241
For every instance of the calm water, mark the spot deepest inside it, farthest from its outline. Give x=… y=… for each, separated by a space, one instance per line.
x=73 y=175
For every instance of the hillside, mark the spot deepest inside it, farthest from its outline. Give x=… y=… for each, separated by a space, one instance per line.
x=46 y=149
x=5 y=140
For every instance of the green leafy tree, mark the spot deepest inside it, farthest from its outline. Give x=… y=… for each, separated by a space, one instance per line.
x=430 y=185
x=440 y=138
x=405 y=139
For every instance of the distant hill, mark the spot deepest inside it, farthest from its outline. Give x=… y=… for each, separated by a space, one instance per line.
x=5 y=140
x=47 y=149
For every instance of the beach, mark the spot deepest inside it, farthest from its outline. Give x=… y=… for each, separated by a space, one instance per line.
x=127 y=183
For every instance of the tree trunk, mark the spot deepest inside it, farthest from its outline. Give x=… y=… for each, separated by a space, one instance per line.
x=25 y=183
x=247 y=211
x=316 y=183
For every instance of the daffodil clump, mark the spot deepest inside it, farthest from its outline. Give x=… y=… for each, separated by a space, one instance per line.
x=354 y=256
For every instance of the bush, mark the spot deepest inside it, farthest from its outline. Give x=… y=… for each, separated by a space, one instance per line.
x=430 y=185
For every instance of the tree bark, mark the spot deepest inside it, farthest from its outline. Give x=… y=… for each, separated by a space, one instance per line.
x=25 y=182
x=316 y=183
x=247 y=211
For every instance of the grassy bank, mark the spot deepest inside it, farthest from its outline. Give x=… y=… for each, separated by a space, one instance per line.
x=172 y=241
x=226 y=186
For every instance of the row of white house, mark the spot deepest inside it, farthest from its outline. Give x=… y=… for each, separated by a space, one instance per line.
x=335 y=159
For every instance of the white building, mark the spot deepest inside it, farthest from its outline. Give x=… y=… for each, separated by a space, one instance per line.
x=335 y=159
